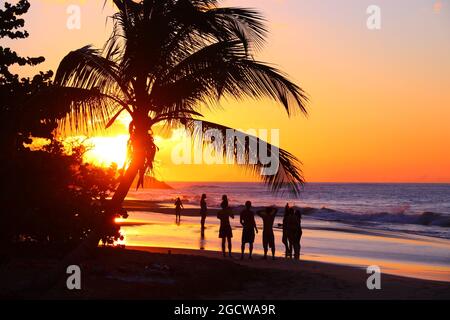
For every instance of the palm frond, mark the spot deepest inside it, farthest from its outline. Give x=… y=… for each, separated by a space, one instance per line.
x=85 y=68
x=175 y=116
x=77 y=110
x=224 y=68
x=248 y=25
x=155 y=35
x=257 y=79
x=288 y=178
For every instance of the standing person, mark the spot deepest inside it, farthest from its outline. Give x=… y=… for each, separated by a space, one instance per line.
x=268 y=216
x=247 y=219
x=285 y=241
x=178 y=206
x=298 y=235
x=203 y=213
x=293 y=233
x=224 y=203
x=225 y=232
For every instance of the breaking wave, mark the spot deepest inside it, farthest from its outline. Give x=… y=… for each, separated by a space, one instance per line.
x=424 y=219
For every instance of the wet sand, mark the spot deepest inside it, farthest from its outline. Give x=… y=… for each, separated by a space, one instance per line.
x=407 y=255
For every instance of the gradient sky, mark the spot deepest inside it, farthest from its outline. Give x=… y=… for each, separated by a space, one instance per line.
x=380 y=100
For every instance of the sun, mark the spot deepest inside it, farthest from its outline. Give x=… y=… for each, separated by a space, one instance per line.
x=104 y=151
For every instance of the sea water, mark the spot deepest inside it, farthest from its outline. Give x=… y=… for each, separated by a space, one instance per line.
x=403 y=228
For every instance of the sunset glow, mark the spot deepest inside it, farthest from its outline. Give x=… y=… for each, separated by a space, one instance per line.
x=372 y=92
x=107 y=150
x=215 y=150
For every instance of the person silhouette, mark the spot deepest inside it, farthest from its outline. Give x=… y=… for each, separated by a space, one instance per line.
x=268 y=216
x=178 y=206
x=298 y=234
x=203 y=213
x=224 y=203
x=293 y=232
x=284 y=239
x=247 y=219
x=225 y=231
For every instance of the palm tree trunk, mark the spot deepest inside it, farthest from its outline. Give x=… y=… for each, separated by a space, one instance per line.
x=125 y=185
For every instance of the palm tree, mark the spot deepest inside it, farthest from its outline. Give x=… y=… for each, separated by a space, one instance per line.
x=163 y=61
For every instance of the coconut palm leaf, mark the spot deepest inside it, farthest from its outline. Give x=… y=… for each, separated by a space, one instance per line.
x=170 y=29
x=102 y=95
x=77 y=109
x=224 y=68
x=288 y=177
x=86 y=68
x=246 y=24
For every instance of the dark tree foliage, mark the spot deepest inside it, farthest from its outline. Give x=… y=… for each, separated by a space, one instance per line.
x=58 y=199
x=47 y=197
x=10 y=26
x=18 y=119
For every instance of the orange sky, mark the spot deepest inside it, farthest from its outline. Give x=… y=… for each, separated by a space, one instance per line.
x=380 y=100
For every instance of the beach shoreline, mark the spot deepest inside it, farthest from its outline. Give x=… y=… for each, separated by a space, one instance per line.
x=152 y=224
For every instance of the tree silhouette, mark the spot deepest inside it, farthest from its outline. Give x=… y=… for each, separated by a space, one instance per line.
x=48 y=196
x=163 y=60
x=18 y=118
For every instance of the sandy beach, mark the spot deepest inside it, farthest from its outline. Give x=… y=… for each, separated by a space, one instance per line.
x=165 y=260
x=399 y=253
x=163 y=273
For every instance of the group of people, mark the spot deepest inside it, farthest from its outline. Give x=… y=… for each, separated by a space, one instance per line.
x=292 y=227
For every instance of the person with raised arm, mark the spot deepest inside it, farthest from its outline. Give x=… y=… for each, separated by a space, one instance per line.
x=268 y=216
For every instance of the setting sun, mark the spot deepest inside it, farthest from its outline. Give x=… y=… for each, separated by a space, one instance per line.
x=104 y=151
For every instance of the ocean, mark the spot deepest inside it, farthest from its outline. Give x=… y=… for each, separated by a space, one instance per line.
x=402 y=228
x=411 y=208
